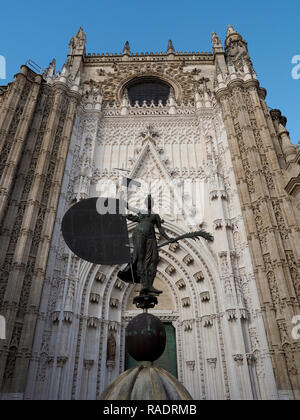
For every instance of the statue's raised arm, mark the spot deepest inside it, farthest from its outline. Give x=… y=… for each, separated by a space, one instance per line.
x=158 y=222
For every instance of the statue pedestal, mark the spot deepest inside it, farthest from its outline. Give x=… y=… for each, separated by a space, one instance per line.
x=145 y=301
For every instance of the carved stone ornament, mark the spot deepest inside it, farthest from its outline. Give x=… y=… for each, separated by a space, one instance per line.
x=186 y=302
x=191 y=364
x=204 y=296
x=212 y=362
x=111 y=348
x=181 y=284
x=199 y=277
x=238 y=358
x=188 y=325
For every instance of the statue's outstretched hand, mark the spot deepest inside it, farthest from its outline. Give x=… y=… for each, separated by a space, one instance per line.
x=132 y=218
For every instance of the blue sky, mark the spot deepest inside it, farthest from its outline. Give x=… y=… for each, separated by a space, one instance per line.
x=41 y=30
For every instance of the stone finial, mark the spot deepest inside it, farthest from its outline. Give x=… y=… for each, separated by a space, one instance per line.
x=215 y=39
x=170 y=47
x=237 y=55
x=50 y=70
x=126 y=49
x=232 y=35
x=216 y=43
x=231 y=30
x=77 y=43
x=289 y=150
x=65 y=72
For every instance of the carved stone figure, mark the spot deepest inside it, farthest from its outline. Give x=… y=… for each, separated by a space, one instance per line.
x=111 y=348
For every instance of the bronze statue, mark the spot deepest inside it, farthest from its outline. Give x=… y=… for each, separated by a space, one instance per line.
x=90 y=220
x=145 y=256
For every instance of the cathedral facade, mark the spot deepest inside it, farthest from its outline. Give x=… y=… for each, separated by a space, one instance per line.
x=197 y=120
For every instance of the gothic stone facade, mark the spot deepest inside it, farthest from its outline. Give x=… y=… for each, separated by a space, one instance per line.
x=231 y=302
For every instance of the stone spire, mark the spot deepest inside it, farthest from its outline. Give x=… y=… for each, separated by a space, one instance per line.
x=237 y=55
x=126 y=49
x=50 y=70
x=230 y=30
x=77 y=43
x=72 y=66
x=221 y=67
x=170 y=47
x=216 y=43
x=232 y=35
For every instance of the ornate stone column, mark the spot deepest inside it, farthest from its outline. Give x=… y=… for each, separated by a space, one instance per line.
x=34 y=240
x=268 y=213
x=17 y=140
x=87 y=364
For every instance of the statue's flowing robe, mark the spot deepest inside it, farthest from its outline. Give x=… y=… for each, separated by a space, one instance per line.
x=145 y=252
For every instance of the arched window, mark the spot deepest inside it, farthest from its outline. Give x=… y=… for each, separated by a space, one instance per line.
x=148 y=89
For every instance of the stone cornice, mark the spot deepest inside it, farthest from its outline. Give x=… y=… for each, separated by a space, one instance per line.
x=120 y=58
x=239 y=83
